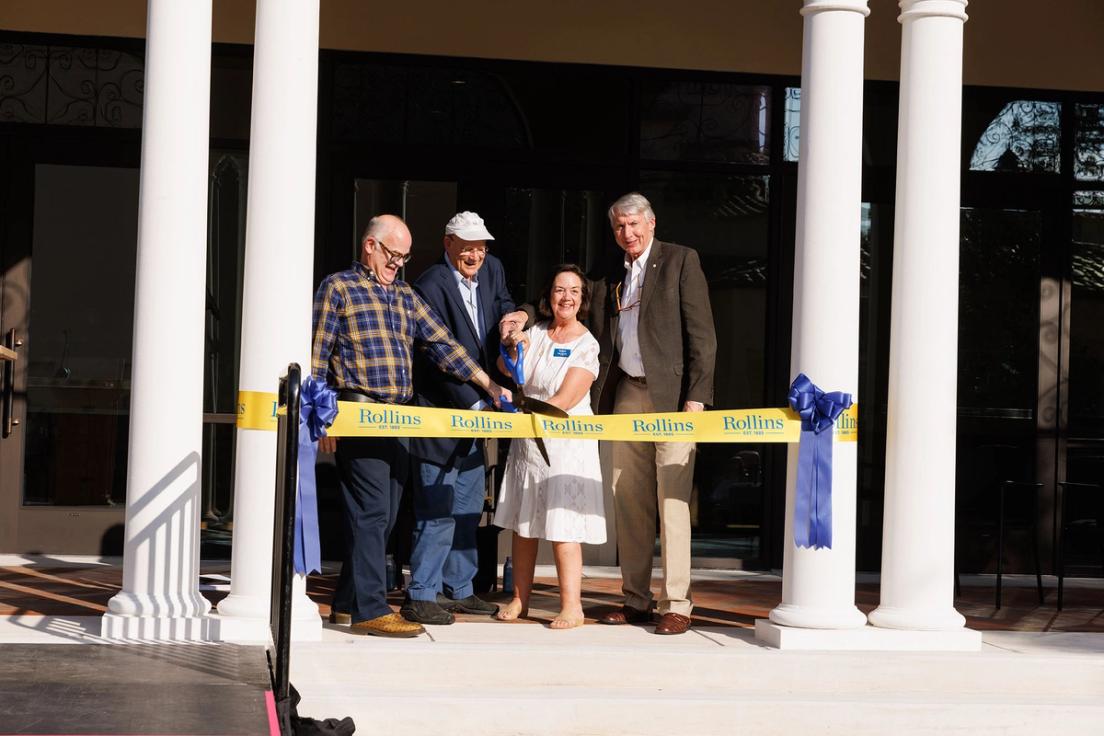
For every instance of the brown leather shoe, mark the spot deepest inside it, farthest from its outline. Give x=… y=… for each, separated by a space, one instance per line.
x=626 y=615
x=673 y=623
x=390 y=624
x=341 y=619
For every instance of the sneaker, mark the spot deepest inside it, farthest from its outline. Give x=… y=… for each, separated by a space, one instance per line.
x=471 y=604
x=426 y=612
x=390 y=625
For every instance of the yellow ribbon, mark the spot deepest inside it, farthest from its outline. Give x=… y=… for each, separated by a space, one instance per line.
x=258 y=410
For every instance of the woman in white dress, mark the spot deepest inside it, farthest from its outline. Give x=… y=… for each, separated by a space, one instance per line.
x=560 y=501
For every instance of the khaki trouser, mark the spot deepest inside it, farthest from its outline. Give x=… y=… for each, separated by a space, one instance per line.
x=647 y=475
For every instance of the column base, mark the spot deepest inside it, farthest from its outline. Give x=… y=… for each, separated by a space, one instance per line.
x=181 y=604
x=257 y=630
x=867 y=638
x=917 y=619
x=246 y=617
x=118 y=627
x=807 y=617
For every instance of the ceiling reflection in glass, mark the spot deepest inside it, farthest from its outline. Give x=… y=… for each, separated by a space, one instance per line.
x=1024 y=136
x=1088 y=154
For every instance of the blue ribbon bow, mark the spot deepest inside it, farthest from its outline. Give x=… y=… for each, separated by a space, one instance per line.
x=812 y=523
x=317 y=411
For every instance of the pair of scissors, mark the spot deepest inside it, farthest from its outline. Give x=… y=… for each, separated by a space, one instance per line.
x=525 y=403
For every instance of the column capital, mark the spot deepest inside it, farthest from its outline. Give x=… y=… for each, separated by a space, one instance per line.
x=821 y=6
x=913 y=9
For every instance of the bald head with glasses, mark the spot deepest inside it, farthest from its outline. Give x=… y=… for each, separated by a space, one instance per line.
x=385 y=247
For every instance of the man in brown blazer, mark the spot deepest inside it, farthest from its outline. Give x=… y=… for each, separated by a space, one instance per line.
x=654 y=324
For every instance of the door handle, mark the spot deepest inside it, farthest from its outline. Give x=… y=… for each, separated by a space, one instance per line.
x=7 y=420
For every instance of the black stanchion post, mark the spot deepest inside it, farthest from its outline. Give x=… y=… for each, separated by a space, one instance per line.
x=283 y=541
x=283 y=551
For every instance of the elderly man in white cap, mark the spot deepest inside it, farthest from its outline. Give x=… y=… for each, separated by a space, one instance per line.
x=467 y=289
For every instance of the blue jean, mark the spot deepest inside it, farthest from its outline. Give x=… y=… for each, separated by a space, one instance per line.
x=448 y=501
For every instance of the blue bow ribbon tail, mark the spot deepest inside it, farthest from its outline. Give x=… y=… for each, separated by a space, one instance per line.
x=813 y=499
x=317 y=411
x=812 y=522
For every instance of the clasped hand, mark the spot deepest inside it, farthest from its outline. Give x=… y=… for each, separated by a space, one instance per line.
x=511 y=333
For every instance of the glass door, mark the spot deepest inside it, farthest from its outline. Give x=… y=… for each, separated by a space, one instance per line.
x=1004 y=402
x=1081 y=442
x=68 y=297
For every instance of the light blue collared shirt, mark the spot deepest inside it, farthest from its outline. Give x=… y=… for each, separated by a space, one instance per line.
x=469 y=295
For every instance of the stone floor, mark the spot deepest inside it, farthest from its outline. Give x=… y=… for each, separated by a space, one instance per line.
x=134 y=690
x=77 y=586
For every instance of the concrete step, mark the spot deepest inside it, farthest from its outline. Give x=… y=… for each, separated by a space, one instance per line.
x=574 y=711
x=693 y=666
x=524 y=679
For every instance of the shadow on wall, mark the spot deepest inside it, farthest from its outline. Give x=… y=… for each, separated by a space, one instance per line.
x=111 y=544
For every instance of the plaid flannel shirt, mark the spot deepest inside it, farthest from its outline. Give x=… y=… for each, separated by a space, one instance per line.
x=364 y=335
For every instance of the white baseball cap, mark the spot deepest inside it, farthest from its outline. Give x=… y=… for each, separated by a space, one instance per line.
x=468 y=226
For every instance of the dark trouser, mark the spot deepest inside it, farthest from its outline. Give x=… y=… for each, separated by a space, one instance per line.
x=373 y=472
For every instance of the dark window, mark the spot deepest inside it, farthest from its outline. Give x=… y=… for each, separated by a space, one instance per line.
x=998 y=311
x=575 y=113
x=79 y=347
x=705 y=121
x=66 y=85
x=426 y=106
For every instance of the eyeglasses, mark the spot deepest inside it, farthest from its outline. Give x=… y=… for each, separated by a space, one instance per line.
x=479 y=250
x=400 y=259
x=617 y=297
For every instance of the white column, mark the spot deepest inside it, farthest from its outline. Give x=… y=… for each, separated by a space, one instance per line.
x=918 y=529
x=160 y=594
x=278 y=292
x=818 y=586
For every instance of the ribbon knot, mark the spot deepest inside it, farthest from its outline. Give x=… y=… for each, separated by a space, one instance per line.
x=317 y=407
x=317 y=411
x=818 y=410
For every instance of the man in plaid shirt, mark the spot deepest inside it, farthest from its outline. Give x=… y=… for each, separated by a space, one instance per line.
x=366 y=324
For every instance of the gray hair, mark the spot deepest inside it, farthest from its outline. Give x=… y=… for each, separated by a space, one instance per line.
x=633 y=203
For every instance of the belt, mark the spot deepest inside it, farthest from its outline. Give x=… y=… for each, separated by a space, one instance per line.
x=638 y=380
x=349 y=395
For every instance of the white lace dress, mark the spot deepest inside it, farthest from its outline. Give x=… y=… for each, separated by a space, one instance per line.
x=561 y=502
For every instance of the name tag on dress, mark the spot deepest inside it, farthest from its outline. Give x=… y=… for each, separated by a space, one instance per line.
x=561 y=352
